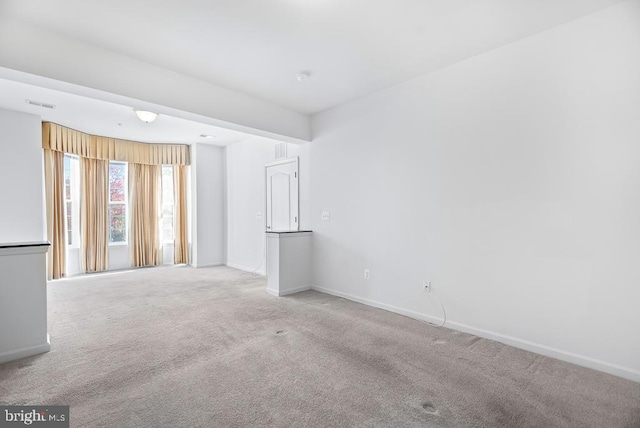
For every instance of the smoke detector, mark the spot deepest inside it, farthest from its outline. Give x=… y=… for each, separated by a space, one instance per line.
x=302 y=76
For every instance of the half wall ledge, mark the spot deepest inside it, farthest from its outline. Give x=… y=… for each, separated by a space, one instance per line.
x=23 y=300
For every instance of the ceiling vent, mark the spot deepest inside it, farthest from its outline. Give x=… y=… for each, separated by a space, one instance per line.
x=281 y=150
x=40 y=104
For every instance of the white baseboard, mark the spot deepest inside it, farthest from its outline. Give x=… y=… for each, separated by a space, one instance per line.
x=204 y=265
x=16 y=354
x=581 y=360
x=380 y=305
x=246 y=269
x=288 y=292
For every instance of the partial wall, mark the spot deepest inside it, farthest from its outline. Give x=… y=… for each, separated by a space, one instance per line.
x=511 y=181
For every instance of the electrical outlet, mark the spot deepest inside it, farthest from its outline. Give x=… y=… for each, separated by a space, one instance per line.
x=367 y=274
x=426 y=285
x=259 y=214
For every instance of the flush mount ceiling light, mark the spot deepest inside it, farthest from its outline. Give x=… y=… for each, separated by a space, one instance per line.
x=146 y=116
x=207 y=136
x=302 y=76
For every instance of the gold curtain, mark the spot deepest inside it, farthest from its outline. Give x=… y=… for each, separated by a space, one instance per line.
x=144 y=206
x=54 y=191
x=180 y=247
x=62 y=139
x=94 y=202
x=145 y=162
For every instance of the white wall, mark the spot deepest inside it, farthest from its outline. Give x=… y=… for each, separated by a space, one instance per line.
x=510 y=180
x=208 y=220
x=22 y=174
x=23 y=302
x=119 y=257
x=246 y=197
x=23 y=299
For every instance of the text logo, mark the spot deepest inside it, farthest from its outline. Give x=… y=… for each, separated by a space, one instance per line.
x=34 y=416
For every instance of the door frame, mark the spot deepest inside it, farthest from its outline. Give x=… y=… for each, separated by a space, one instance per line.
x=266 y=184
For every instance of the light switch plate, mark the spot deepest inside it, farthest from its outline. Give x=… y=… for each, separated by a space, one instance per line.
x=326 y=216
x=258 y=214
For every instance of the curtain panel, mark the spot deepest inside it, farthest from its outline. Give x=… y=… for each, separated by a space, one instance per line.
x=144 y=205
x=145 y=162
x=59 y=138
x=54 y=195
x=180 y=243
x=94 y=230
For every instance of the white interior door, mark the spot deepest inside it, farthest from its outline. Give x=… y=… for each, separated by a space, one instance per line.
x=282 y=195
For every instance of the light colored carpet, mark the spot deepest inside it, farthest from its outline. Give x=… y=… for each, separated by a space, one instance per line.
x=183 y=347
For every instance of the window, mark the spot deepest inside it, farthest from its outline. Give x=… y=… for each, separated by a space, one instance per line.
x=71 y=200
x=117 y=202
x=167 y=205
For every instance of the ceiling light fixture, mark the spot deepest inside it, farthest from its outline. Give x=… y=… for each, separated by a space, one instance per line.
x=207 y=136
x=302 y=76
x=146 y=116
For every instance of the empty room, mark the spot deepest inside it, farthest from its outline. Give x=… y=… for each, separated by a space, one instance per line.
x=320 y=213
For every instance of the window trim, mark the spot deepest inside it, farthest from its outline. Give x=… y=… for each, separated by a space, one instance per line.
x=125 y=203
x=173 y=208
x=74 y=177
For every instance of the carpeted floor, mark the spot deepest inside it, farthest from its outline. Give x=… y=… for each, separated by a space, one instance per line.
x=183 y=347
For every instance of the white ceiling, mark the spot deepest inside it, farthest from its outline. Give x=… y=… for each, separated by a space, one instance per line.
x=351 y=48
x=109 y=119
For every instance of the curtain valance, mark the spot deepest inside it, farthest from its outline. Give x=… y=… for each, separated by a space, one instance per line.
x=62 y=139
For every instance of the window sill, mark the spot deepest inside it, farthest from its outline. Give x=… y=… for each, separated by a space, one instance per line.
x=118 y=244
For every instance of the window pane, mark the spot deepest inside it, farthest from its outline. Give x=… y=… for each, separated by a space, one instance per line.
x=117 y=173
x=71 y=184
x=167 y=203
x=117 y=222
x=118 y=202
x=69 y=227
x=118 y=235
x=167 y=184
x=167 y=229
x=117 y=209
x=117 y=195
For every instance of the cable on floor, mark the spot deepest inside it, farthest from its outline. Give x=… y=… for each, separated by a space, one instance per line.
x=264 y=258
x=444 y=314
